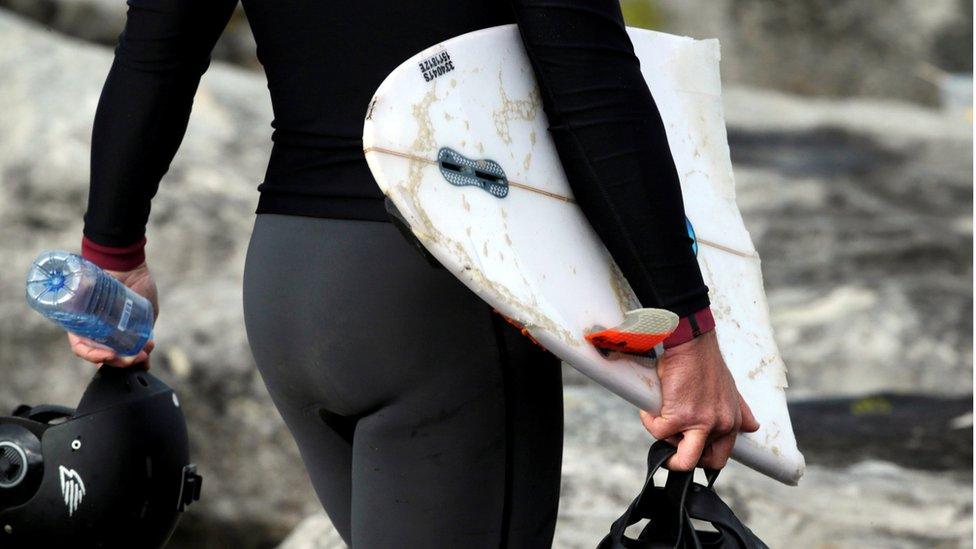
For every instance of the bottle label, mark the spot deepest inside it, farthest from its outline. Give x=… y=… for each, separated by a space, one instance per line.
x=126 y=313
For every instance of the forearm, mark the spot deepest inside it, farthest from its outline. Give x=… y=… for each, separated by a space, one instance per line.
x=143 y=112
x=613 y=145
x=139 y=124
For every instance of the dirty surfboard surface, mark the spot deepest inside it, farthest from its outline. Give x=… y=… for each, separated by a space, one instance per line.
x=457 y=140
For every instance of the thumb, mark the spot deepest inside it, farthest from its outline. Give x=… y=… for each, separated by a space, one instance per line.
x=749 y=423
x=689 y=452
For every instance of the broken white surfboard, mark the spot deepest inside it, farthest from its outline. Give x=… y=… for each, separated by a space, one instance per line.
x=456 y=137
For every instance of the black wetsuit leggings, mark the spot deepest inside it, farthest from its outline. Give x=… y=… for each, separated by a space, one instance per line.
x=423 y=418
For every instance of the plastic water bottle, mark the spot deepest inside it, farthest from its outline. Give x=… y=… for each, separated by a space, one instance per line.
x=87 y=301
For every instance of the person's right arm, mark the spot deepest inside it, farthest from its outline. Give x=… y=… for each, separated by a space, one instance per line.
x=612 y=143
x=141 y=118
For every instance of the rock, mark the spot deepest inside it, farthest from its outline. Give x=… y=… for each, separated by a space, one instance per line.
x=872 y=504
x=915 y=431
x=861 y=212
x=865 y=504
x=830 y=47
x=101 y=21
x=98 y=21
x=315 y=532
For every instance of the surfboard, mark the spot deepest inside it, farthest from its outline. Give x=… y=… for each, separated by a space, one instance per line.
x=457 y=139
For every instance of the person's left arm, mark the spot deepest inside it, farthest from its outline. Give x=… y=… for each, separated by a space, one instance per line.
x=141 y=118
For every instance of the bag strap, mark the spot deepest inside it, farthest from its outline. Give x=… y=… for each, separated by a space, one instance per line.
x=711 y=475
x=702 y=503
x=676 y=489
x=662 y=505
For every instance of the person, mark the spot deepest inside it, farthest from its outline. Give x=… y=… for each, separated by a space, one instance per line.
x=423 y=419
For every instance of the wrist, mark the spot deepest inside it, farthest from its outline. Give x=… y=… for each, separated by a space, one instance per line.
x=114 y=258
x=691 y=327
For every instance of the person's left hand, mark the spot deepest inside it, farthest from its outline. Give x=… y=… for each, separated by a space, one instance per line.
x=141 y=282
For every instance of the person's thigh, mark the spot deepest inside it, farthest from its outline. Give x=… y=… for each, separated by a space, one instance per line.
x=406 y=395
x=470 y=458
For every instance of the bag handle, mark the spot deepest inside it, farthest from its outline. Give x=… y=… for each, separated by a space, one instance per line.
x=43 y=413
x=664 y=506
x=671 y=509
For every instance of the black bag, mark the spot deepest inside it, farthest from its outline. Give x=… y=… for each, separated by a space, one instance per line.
x=670 y=509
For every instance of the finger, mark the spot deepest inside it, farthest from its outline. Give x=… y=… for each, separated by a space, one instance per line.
x=95 y=355
x=87 y=349
x=659 y=426
x=706 y=453
x=80 y=348
x=716 y=456
x=126 y=361
x=749 y=423
x=689 y=451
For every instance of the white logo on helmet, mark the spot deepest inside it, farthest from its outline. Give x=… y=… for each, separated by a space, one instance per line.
x=72 y=488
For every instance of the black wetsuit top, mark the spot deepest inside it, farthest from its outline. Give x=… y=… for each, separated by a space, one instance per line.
x=323 y=62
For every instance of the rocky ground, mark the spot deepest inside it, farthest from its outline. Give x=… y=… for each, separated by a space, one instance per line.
x=861 y=210
x=841 y=502
x=836 y=48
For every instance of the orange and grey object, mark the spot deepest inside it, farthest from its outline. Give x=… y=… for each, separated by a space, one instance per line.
x=640 y=332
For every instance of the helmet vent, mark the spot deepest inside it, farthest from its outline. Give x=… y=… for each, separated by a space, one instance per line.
x=13 y=464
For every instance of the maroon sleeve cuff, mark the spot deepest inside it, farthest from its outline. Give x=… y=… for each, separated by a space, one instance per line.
x=690 y=327
x=124 y=258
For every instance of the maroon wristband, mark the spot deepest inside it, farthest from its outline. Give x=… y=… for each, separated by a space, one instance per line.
x=114 y=258
x=690 y=327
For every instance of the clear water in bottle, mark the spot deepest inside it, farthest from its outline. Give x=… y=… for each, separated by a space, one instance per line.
x=87 y=301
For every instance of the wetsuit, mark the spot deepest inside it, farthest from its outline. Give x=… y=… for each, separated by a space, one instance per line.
x=422 y=419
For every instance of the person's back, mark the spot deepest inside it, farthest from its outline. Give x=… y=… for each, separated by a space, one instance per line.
x=323 y=61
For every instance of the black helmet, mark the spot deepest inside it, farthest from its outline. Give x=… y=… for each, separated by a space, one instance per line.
x=114 y=472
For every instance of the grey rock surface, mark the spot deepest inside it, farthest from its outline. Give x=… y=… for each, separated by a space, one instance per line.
x=861 y=210
x=862 y=214
x=872 y=504
x=98 y=21
x=866 y=504
x=101 y=21
x=880 y=48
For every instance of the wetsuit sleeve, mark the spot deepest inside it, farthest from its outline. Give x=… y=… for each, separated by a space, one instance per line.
x=612 y=143
x=142 y=116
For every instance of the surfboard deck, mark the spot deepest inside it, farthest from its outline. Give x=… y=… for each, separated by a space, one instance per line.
x=458 y=140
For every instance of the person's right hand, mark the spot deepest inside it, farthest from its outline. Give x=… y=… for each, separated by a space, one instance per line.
x=141 y=282
x=702 y=412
